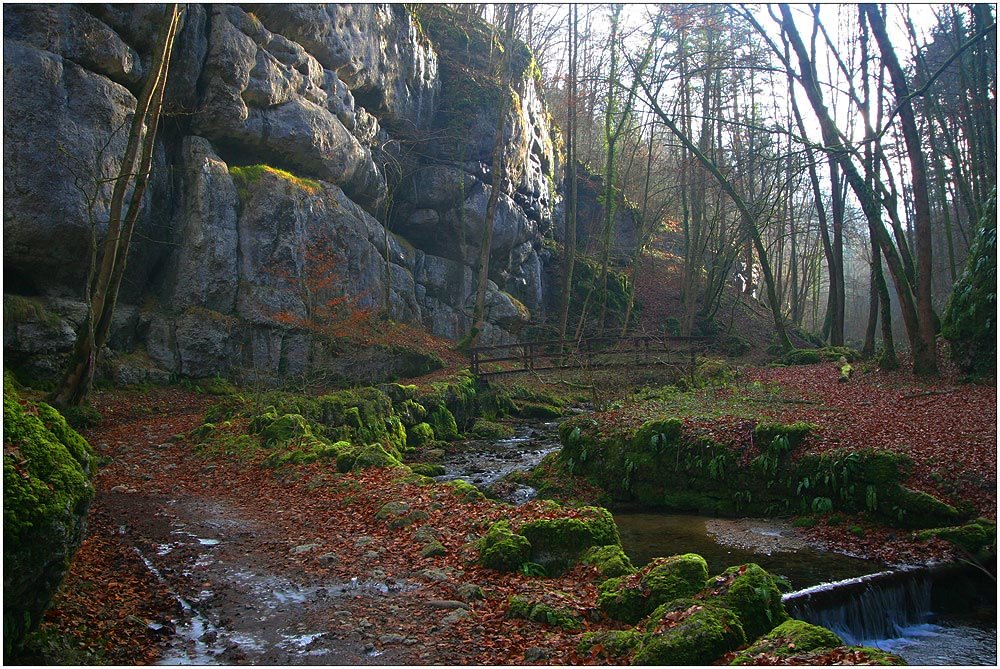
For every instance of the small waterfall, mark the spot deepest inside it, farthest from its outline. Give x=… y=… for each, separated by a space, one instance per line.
x=868 y=609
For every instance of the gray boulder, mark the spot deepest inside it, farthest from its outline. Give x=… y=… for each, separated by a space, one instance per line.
x=377 y=49
x=267 y=97
x=61 y=136
x=76 y=35
x=203 y=268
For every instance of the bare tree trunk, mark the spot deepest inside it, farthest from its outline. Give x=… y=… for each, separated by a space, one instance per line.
x=134 y=169
x=924 y=360
x=569 y=243
x=869 y=204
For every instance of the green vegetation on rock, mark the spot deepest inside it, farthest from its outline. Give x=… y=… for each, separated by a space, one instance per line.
x=976 y=538
x=503 y=550
x=750 y=592
x=663 y=465
x=246 y=177
x=486 y=429
x=689 y=632
x=558 y=543
x=538 y=612
x=790 y=638
x=610 y=561
x=46 y=471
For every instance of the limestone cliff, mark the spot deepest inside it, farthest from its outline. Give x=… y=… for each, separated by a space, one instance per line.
x=352 y=140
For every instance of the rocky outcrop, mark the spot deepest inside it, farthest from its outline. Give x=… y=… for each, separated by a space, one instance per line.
x=46 y=476
x=285 y=156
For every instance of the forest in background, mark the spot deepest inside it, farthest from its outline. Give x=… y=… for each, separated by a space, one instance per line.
x=833 y=162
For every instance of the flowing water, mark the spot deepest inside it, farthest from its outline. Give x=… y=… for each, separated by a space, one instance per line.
x=897 y=611
x=484 y=463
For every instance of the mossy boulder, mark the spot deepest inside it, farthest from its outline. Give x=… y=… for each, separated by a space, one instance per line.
x=443 y=423
x=752 y=593
x=689 y=632
x=364 y=457
x=622 y=598
x=557 y=543
x=487 y=429
x=503 y=550
x=630 y=598
x=528 y=409
x=615 y=644
x=610 y=561
x=298 y=451
x=466 y=492
x=914 y=509
x=668 y=578
x=790 y=638
x=427 y=469
x=419 y=434
x=284 y=428
x=46 y=493
x=976 y=538
x=541 y=612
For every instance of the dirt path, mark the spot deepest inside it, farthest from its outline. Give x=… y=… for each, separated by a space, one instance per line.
x=242 y=603
x=256 y=577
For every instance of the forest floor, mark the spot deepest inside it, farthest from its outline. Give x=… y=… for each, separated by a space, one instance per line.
x=291 y=566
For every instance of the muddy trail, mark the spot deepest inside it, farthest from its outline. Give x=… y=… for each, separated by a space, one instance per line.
x=259 y=569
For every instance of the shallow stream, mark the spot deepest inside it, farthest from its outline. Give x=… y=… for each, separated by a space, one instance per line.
x=936 y=638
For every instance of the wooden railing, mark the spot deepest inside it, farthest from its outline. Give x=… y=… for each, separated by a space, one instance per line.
x=592 y=353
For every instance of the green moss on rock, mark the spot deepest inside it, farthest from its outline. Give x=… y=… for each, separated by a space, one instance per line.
x=540 y=612
x=427 y=469
x=374 y=455
x=558 y=542
x=503 y=550
x=791 y=637
x=443 y=423
x=466 y=492
x=527 y=409
x=668 y=578
x=622 y=598
x=47 y=490
x=486 y=429
x=614 y=643
x=977 y=537
x=419 y=434
x=283 y=429
x=915 y=509
x=610 y=561
x=689 y=632
x=753 y=595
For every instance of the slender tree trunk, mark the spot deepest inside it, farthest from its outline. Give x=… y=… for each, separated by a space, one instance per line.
x=869 y=204
x=924 y=363
x=887 y=360
x=134 y=169
x=569 y=236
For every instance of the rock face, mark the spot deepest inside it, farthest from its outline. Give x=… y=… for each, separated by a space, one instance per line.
x=315 y=161
x=47 y=490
